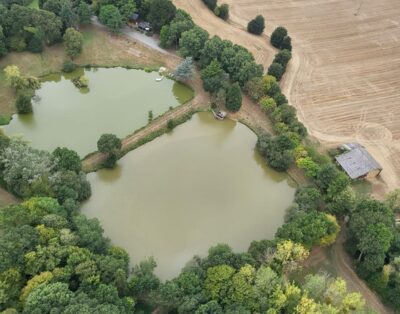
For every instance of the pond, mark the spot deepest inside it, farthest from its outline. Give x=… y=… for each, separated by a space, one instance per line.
x=200 y=185
x=117 y=101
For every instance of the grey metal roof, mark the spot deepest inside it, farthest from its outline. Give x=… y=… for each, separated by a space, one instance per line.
x=357 y=162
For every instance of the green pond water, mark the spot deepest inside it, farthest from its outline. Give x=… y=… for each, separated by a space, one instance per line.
x=202 y=184
x=117 y=101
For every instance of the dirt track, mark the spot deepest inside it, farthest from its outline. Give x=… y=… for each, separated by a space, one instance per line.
x=341 y=263
x=343 y=78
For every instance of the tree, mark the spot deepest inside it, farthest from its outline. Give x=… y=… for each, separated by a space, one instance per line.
x=68 y=16
x=84 y=13
x=192 y=42
x=90 y=233
x=276 y=150
x=371 y=230
x=143 y=279
x=211 y=4
x=233 y=97
x=310 y=167
x=48 y=298
x=161 y=12
x=3 y=48
x=277 y=36
x=212 y=50
x=171 y=34
x=218 y=282
x=24 y=101
x=287 y=43
x=307 y=198
x=184 y=71
x=276 y=70
x=110 y=17
x=283 y=57
x=308 y=229
x=109 y=143
x=35 y=44
x=257 y=25
x=254 y=88
x=73 y=42
x=67 y=159
x=392 y=201
x=222 y=11
x=213 y=77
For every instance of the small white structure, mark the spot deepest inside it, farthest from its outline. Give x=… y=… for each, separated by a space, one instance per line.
x=219 y=115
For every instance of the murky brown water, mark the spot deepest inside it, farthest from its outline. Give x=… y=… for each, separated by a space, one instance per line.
x=117 y=101
x=200 y=185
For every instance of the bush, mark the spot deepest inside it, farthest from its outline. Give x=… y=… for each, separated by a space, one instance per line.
x=287 y=43
x=17 y=44
x=211 y=4
x=283 y=57
x=233 y=97
x=170 y=124
x=222 y=11
x=277 y=36
x=277 y=70
x=69 y=66
x=257 y=25
x=35 y=45
x=24 y=101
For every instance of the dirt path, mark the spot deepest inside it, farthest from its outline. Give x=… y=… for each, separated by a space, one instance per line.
x=342 y=264
x=6 y=198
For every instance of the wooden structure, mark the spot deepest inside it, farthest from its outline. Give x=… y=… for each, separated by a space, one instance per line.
x=357 y=162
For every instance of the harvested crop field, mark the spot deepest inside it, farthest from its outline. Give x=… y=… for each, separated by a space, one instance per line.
x=344 y=77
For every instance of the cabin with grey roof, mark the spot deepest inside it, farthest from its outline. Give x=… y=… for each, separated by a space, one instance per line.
x=357 y=162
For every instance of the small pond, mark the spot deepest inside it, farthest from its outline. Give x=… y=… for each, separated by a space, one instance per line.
x=117 y=101
x=202 y=184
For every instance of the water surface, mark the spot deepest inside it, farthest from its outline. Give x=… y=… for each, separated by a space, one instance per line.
x=117 y=101
x=200 y=185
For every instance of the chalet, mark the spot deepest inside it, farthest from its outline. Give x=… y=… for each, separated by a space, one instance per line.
x=357 y=162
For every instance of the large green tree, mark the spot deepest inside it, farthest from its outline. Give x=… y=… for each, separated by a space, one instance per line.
x=111 y=17
x=192 y=42
x=257 y=25
x=233 y=100
x=73 y=42
x=213 y=77
x=161 y=12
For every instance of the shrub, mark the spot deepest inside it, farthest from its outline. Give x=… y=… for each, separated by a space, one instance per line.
x=257 y=25
x=283 y=57
x=24 y=101
x=222 y=11
x=211 y=4
x=35 y=45
x=17 y=43
x=73 y=42
x=277 y=70
x=277 y=36
x=255 y=88
x=170 y=124
x=287 y=43
x=69 y=66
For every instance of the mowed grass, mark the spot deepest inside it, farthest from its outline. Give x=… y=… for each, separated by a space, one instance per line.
x=100 y=48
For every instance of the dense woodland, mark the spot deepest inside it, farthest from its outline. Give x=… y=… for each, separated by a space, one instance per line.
x=55 y=260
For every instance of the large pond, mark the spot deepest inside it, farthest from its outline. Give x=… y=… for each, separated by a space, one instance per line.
x=117 y=101
x=202 y=184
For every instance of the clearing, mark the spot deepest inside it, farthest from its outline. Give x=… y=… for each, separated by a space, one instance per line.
x=343 y=78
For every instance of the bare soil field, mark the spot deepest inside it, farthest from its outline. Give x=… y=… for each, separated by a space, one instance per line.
x=344 y=76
